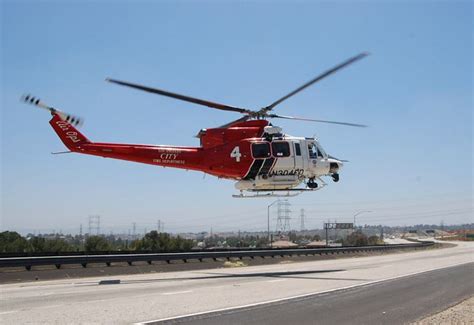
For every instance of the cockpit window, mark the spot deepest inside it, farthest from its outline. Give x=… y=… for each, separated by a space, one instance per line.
x=313 y=150
x=281 y=149
x=261 y=150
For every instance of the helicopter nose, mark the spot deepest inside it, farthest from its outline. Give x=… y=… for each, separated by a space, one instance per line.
x=335 y=165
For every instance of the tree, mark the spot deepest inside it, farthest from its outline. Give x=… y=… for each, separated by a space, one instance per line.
x=37 y=244
x=57 y=245
x=162 y=242
x=374 y=240
x=357 y=238
x=316 y=238
x=96 y=244
x=12 y=242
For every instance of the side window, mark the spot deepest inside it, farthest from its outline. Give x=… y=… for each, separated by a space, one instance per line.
x=261 y=150
x=281 y=149
x=297 y=149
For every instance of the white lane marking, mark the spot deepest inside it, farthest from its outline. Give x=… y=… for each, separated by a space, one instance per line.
x=278 y=280
x=176 y=292
x=299 y=296
x=50 y=306
x=8 y=312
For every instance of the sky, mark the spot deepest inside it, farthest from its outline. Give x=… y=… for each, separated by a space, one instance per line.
x=413 y=165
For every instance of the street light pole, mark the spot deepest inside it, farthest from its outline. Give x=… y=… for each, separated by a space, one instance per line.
x=268 y=221
x=360 y=212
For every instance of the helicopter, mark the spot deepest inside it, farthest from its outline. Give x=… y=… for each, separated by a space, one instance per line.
x=256 y=154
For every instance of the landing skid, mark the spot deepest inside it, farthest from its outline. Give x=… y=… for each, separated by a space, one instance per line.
x=261 y=193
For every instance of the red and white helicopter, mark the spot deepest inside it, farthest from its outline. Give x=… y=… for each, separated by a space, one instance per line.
x=258 y=155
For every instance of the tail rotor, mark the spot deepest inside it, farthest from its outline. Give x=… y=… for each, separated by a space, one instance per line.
x=72 y=119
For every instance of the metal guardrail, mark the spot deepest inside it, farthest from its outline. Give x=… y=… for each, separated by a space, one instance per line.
x=84 y=260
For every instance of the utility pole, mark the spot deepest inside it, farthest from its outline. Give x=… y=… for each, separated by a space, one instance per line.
x=134 y=224
x=94 y=225
x=283 y=221
x=302 y=217
x=357 y=213
x=326 y=227
x=81 y=239
x=268 y=221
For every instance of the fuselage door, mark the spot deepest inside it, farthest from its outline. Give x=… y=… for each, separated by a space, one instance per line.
x=299 y=155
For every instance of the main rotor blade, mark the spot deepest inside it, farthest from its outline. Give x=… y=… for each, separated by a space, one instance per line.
x=319 y=121
x=180 y=97
x=318 y=78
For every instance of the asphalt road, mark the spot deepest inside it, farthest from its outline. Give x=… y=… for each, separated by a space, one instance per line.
x=158 y=296
x=398 y=301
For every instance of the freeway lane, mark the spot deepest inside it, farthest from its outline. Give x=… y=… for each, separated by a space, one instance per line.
x=145 y=297
x=398 y=301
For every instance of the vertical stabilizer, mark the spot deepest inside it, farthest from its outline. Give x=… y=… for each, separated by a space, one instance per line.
x=68 y=134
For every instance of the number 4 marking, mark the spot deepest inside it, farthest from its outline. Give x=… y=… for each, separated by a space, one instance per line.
x=236 y=154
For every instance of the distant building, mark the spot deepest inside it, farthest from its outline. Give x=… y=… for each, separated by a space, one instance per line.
x=283 y=244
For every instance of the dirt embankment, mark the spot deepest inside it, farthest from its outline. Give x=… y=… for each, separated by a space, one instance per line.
x=462 y=313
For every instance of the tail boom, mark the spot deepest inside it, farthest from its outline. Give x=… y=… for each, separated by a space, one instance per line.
x=166 y=156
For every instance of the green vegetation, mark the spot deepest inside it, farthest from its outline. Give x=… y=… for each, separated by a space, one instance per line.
x=358 y=238
x=13 y=242
x=236 y=241
x=56 y=245
x=162 y=242
x=97 y=244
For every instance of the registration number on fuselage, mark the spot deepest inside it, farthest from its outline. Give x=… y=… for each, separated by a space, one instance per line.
x=287 y=172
